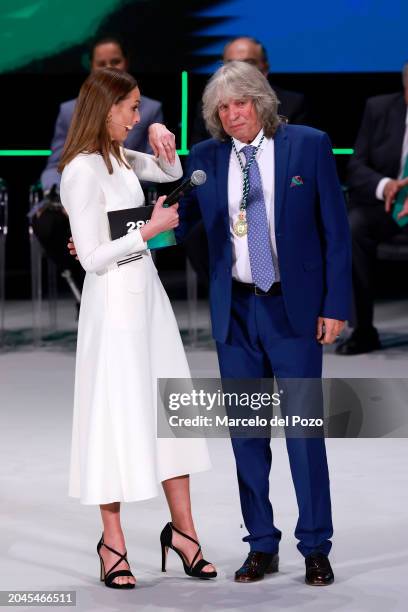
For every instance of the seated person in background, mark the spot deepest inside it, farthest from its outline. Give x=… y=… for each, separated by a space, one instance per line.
x=377 y=172
x=250 y=50
x=106 y=52
x=292 y=106
x=50 y=223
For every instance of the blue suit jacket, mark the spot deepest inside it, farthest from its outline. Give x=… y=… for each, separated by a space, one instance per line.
x=137 y=140
x=312 y=232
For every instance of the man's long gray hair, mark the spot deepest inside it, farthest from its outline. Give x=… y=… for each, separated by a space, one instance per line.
x=239 y=80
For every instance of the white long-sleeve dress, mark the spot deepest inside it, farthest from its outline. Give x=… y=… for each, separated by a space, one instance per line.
x=127 y=338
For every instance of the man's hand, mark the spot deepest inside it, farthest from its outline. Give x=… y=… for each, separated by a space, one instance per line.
x=328 y=330
x=391 y=190
x=404 y=211
x=71 y=248
x=163 y=142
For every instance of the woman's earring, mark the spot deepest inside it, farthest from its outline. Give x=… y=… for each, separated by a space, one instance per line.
x=109 y=119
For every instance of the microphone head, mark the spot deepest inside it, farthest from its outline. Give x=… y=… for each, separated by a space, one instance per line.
x=198 y=177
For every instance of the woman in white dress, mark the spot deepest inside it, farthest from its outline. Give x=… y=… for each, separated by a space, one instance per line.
x=127 y=333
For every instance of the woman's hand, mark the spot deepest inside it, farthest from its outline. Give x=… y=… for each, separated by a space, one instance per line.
x=162 y=219
x=163 y=142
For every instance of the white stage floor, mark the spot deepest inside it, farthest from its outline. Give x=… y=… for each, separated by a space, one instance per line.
x=49 y=540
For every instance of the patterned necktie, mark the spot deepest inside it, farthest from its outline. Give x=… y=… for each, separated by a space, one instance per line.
x=259 y=245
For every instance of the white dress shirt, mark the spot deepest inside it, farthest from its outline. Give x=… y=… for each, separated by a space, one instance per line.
x=379 y=192
x=265 y=157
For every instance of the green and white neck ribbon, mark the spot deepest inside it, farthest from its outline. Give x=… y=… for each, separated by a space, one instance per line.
x=245 y=171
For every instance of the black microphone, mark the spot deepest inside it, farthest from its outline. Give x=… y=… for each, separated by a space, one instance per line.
x=197 y=178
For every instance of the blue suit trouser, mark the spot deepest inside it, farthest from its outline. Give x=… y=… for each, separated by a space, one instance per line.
x=261 y=344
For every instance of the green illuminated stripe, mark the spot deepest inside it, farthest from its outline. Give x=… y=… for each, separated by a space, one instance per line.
x=184 y=111
x=47 y=152
x=182 y=151
x=25 y=152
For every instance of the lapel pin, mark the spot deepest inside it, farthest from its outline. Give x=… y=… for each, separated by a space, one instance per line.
x=296 y=181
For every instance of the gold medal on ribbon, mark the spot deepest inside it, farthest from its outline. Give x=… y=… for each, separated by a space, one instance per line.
x=241 y=226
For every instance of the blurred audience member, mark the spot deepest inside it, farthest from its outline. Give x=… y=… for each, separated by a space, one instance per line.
x=377 y=179
x=50 y=222
x=247 y=49
x=106 y=52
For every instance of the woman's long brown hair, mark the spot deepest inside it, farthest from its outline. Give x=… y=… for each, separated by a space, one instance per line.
x=88 y=132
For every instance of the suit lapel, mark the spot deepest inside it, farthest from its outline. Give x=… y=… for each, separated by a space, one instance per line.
x=282 y=149
x=397 y=129
x=221 y=169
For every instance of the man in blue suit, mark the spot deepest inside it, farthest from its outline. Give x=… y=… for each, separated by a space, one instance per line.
x=280 y=286
x=105 y=53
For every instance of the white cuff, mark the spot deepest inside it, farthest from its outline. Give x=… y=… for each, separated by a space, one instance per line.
x=136 y=244
x=175 y=170
x=379 y=192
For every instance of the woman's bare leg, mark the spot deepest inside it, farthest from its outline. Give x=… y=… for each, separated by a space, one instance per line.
x=177 y=491
x=113 y=537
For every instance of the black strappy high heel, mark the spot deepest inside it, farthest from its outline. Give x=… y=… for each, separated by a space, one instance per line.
x=109 y=577
x=191 y=570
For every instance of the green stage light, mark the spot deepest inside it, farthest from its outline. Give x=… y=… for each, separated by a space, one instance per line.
x=184 y=113
x=31 y=30
x=184 y=123
x=183 y=132
x=47 y=152
x=25 y=152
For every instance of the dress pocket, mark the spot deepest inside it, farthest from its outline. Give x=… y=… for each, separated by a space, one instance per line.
x=126 y=297
x=133 y=275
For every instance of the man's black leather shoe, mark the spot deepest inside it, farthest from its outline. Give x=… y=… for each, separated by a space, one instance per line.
x=256 y=565
x=318 y=570
x=359 y=342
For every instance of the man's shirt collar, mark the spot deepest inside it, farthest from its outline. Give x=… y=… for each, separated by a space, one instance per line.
x=239 y=145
